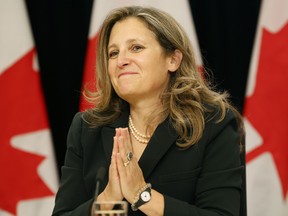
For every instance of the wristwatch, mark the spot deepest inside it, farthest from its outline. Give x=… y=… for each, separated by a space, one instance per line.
x=144 y=197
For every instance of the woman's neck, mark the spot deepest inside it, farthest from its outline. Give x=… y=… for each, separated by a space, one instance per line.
x=142 y=121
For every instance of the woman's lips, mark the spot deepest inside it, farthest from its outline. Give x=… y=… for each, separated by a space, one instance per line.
x=126 y=73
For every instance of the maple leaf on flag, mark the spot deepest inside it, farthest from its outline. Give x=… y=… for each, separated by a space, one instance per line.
x=22 y=111
x=266 y=109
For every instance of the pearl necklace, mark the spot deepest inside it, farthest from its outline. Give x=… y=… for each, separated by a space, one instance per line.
x=136 y=134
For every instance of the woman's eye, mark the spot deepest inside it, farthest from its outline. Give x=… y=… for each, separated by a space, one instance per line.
x=137 y=48
x=113 y=54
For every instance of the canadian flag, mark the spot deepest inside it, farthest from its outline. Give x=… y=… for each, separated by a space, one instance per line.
x=266 y=114
x=28 y=173
x=180 y=10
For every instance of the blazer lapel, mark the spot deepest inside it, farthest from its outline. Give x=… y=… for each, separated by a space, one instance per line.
x=163 y=138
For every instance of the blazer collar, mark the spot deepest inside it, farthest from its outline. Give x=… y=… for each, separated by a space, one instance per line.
x=162 y=139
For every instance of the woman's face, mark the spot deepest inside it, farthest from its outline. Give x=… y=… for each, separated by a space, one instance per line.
x=137 y=65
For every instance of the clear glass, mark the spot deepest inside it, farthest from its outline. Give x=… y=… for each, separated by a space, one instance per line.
x=110 y=208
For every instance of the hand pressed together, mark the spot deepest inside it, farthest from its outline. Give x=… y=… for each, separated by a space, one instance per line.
x=125 y=175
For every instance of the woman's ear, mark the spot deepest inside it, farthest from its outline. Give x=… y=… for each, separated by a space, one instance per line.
x=175 y=60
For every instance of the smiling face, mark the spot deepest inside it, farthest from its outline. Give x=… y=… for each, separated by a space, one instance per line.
x=137 y=65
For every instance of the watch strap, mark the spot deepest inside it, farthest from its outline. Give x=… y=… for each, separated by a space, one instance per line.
x=140 y=201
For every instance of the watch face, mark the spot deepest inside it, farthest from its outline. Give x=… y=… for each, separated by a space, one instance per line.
x=145 y=196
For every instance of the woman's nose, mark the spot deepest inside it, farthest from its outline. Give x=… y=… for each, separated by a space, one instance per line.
x=123 y=59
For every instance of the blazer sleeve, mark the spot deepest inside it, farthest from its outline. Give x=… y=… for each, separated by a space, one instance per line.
x=72 y=198
x=218 y=187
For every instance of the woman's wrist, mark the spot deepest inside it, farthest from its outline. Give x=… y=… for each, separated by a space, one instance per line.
x=155 y=206
x=104 y=198
x=109 y=195
x=143 y=196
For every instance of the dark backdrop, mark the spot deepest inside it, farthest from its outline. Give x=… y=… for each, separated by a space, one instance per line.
x=225 y=30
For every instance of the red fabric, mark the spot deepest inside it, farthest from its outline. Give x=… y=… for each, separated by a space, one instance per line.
x=22 y=111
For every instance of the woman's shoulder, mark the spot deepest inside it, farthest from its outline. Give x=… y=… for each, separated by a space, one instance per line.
x=217 y=119
x=78 y=116
x=80 y=129
x=79 y=121
x=223 y=111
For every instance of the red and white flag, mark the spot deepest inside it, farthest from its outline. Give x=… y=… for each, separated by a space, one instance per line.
x=180 y=10
x=28 y=173
x=266 y=114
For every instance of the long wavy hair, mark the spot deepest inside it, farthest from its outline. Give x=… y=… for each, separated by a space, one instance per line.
x=187 y=98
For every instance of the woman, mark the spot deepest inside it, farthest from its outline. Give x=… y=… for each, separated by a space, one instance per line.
x=170 y=142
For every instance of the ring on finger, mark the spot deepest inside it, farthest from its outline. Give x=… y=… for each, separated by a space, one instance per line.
x=129 y=156
x=126 y=163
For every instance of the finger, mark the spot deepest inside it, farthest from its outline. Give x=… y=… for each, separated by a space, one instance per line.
x=130 y=153
x=127 y=138
x=122 y=147
x=125 y=152
x=115 y=145
x=118 y=132
x=113 y=166
x=113 y=172
x=120 y=166
x=126 y=145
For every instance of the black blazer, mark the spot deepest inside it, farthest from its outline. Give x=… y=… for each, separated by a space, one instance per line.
x=202 y=180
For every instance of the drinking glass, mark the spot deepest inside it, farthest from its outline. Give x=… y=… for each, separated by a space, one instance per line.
x=110 y=208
